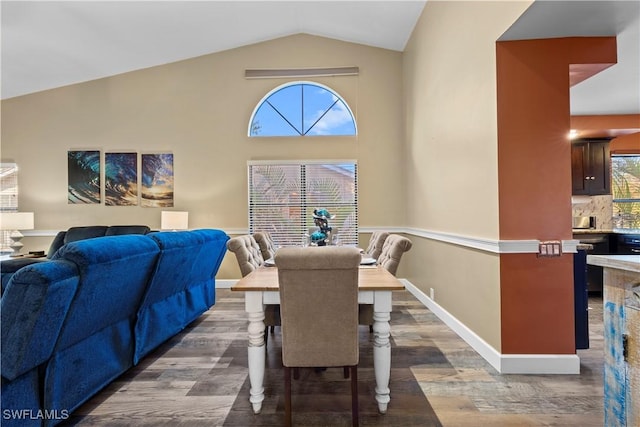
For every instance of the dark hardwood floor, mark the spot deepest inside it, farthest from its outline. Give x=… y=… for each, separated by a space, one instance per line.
x=200 y=378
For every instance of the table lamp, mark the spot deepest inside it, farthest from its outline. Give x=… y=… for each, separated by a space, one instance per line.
x=174 y=220
x=13 y=222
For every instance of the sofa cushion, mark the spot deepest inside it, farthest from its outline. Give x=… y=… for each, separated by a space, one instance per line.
x=108 y=268
x=96 y=340
x=118 y=230
x=10 y=266
x=20 y=395
x=182 y=286
x=74 y=234
x=56 y=244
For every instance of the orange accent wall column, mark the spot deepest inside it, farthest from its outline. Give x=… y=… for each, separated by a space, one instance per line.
x=534 y=179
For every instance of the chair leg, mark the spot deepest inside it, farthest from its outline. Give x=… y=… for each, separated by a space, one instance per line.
x=370 y=329
x=354 y=396
x=287 y=396
x=345 y=371
x=296 y=373
x=266 y=335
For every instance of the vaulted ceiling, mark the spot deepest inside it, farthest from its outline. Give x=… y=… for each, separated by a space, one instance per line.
x=48 y=44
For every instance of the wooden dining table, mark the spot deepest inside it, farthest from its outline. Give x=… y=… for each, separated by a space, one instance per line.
x=375 y=286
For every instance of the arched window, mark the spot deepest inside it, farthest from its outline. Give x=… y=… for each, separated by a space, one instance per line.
x=302 y=109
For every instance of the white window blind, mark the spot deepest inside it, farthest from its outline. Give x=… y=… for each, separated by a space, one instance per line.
x=9 y=187
x=283 y=195
x=8 y=195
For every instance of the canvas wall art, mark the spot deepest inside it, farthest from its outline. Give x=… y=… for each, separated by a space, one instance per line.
x=83 y=177
x=121 y=179
x=157 y=180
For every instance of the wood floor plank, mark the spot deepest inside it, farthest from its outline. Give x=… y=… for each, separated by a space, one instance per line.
x=200 y=377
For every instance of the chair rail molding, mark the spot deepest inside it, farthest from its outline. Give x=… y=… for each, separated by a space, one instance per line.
x=481 y=243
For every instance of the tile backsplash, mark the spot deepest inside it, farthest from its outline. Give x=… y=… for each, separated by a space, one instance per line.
x=598 y=206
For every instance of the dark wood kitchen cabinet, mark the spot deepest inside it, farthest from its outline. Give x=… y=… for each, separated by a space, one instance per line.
x=591 y=167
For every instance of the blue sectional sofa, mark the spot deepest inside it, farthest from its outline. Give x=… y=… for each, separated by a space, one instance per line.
x=73 y=234
x=73 y=324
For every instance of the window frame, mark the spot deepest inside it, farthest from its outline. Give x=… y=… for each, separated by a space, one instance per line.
x=9 y=197
x=295 y=83
x=620 y=222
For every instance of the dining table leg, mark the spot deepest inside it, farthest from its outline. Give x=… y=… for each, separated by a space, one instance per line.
x=382 y=347
x=257 y=348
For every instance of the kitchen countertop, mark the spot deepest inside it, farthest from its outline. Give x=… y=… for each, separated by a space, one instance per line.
x=620 y=262
x=605 y=230
x=591 y=231
x=584 y=247
x=626 y=230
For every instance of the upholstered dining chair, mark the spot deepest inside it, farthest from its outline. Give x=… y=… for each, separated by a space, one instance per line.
x=249 y=257
x=392 y=250
x=319 y=310
x=265 y=242
x=375 y=244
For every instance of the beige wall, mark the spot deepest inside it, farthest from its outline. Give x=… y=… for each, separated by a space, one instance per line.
x=449 y=77
x=427 y=143
x=199 y=109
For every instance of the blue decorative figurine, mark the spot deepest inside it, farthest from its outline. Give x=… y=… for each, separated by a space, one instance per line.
x=321 y=219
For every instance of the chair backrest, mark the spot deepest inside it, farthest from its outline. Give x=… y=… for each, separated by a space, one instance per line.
x=247 y=253
x=375 y=243
x=267 y=247
x=319 y=305
x=392 y=250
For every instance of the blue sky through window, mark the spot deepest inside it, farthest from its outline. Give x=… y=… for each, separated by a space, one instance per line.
x=302 y=108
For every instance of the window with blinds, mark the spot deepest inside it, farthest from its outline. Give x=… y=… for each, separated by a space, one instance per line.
x=8 y=195
x=284 y=194
x=8 y=187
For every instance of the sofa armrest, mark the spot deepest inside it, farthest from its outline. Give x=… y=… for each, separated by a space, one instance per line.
x=9 y=267
x=32 y=311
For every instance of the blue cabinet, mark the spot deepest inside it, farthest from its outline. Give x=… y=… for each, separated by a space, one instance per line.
x=581 y=299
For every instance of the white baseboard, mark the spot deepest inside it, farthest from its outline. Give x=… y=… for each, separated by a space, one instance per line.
x=503 y=363
x=225 y=283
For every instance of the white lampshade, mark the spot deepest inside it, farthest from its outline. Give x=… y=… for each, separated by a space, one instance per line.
x=16 y=221
x=174 y=220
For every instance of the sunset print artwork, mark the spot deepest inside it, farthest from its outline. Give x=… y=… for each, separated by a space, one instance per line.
x=157 y=180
